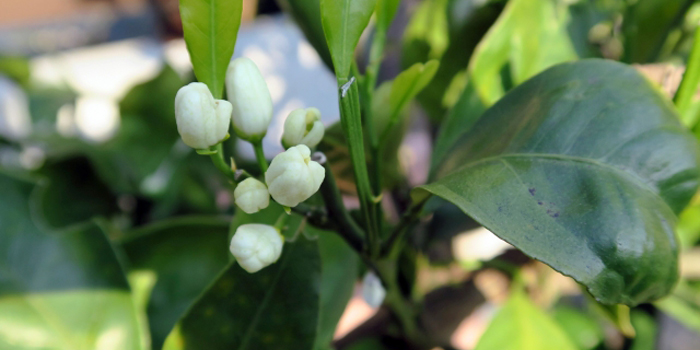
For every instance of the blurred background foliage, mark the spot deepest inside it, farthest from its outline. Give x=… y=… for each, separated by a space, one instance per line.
x=125 y=227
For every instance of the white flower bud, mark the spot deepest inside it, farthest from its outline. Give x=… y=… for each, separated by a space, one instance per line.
x=303 y=127
x=251 y=100
x=293 y=177
x=201 y=120
x=373 y=291
x=251 y=195
x=256 y=246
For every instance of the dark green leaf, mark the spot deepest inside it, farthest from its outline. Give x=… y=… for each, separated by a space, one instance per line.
x=520 y=325
x=307 y=15
x=645 y=331
x=339 y=270
x=186 y=255
x=276 y=308
x=59 y=290
x=459 y=120
x=582 y=167
x=528 y=37
x=646 y=26
x=74 y=193
x=211 y=27
x=343 y=23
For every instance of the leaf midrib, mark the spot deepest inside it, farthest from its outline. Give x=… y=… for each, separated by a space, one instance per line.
x=212 y=46
x=266 y=299
x=563 y=157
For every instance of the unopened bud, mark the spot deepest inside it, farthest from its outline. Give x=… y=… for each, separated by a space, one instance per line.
x=251 y=195
x=250 y=98
x=303 y=127
x=201 y=120
x=256 y=246
x=293 y=177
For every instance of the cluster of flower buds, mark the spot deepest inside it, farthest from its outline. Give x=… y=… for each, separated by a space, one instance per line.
x=292 y=177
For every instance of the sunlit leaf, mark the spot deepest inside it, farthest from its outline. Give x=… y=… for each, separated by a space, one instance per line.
x=59 y=290
x=211 y=27
x=528 y=37
x=520 y=325
x=343 y=23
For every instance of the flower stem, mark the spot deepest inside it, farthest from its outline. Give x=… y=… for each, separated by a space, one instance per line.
x=218 y=159
x=345 y=224
x=351 y=121
x=260 y=156
x=689 y=84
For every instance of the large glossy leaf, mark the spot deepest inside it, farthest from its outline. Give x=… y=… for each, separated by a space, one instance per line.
x=211 y=27
x=520 y=325
x=307 y=15
x=59 y=290
x=528 y=37
x=459 y=120
x=339 y=271
x=275 y=308
x=343 y=23
x=584 y=168
x=186 y=255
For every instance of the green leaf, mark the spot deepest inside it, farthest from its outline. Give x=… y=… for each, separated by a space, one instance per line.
x=646 y=26
x=528 y=37
x=59 y=290
x=343 y=24
x=459 y=120
x=685 y=312
x=386 y=10
x=339 y=271
x=75 y=179
x=274 y=308
x=581 y=328
x=403 y=89
x=520 y=325
x=307 y=15
x=186 y=255
x=210 y=28
x=584 y=168
x=16 y=68
x=645 y=329
x=449 y=31
x=689 y=225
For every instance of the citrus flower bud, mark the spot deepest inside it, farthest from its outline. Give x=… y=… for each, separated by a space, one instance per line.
x=251 y=100
x=251 y=195
x=303 y=127
x=201 y=120
x=293 y=177
x=256 y=246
